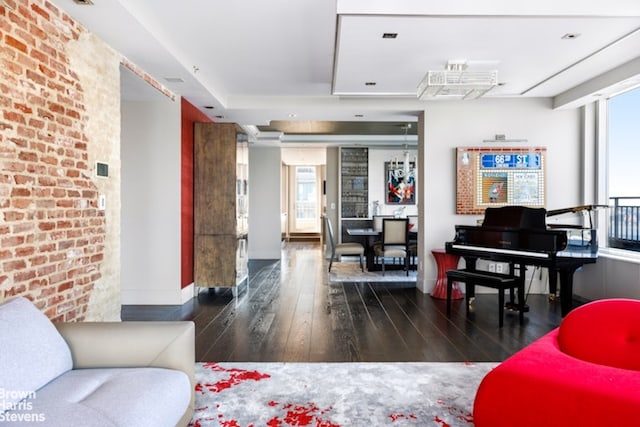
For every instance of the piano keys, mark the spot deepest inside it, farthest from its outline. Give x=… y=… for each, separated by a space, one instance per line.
x=520 y=236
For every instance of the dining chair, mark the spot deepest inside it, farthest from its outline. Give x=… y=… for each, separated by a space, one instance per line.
x=347 y=248
x=394 y=243
x=376 y=224
x=377 y=221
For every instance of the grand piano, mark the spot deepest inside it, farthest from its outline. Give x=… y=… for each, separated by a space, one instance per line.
x=520 y=236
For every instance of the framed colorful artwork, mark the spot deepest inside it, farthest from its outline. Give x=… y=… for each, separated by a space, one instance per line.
x=499 y=176
x=400 y=183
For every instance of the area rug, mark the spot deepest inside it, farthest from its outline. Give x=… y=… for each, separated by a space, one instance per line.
x=336 y=394
x=350 y=272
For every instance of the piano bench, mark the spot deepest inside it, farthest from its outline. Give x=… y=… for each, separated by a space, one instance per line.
x=490 y=280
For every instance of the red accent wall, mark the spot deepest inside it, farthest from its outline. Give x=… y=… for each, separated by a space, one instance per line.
x=190 y=115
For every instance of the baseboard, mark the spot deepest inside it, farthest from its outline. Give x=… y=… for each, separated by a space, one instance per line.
x=187 y=292
x=150 y=297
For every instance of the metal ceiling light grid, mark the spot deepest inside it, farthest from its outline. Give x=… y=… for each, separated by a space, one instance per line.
x=457 y=81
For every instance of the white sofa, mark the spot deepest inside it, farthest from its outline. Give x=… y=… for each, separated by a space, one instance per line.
x=94 y=374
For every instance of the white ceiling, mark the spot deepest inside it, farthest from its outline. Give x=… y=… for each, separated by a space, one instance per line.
x=255 y=61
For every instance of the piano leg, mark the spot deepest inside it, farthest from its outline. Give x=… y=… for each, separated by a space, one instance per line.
x=566 y=288
x=470 y=293
x=501 y=307
x=449 y=289
x=553 y=283
x=521 y=295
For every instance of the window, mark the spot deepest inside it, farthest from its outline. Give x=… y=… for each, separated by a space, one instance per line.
x=624 y=170
x=306 y=198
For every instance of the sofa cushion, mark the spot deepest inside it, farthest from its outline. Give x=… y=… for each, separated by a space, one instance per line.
x=33 y=352
x=540 y=386
x=153 y=397
x=604 y=332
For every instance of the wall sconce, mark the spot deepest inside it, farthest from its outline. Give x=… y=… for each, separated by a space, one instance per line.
x=500 y=137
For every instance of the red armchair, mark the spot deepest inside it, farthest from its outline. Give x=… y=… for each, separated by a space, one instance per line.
x=585 y=373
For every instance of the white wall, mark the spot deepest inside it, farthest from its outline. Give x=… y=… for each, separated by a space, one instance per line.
x=614 y=275
x=302 y=156
x=150 y=237
x=377 y=180
x=453 y=124
x=264 y=203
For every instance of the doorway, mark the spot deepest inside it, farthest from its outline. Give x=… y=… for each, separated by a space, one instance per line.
x=302 y=193
x=305 y=203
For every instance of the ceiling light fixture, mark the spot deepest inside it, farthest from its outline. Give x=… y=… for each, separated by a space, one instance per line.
x=457 y=81
x=570 y=36
x=406 y=167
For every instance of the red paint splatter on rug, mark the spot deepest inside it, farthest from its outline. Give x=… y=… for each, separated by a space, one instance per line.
x=460 y=414
x=440 y=421
x=300 y=415
x=198 y=422
x=236 y=376
x=397 y=417
x=276 y=413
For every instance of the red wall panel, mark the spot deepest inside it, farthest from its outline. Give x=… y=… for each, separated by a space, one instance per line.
x=190 y=115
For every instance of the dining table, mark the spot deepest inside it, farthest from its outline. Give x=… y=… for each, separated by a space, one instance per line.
x=369 y=236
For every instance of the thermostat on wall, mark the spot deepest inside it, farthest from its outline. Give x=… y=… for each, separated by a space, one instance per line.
x=102 y=169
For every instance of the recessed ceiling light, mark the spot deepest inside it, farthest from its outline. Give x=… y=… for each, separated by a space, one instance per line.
x=389 y=35
x=292 y=115
x=570 y=36
x=370 y=83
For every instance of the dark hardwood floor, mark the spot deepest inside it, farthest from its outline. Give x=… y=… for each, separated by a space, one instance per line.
x=288 y=311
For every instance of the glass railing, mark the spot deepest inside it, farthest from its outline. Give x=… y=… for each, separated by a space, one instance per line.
x=624 y=215
x=306 y=211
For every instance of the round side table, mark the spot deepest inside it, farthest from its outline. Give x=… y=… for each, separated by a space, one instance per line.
x=444 y=262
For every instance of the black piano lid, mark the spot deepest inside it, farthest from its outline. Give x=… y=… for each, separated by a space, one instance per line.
x=514 y=228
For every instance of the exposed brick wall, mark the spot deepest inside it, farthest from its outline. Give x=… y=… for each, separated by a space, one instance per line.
x=52 y=236
x=59 y=114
